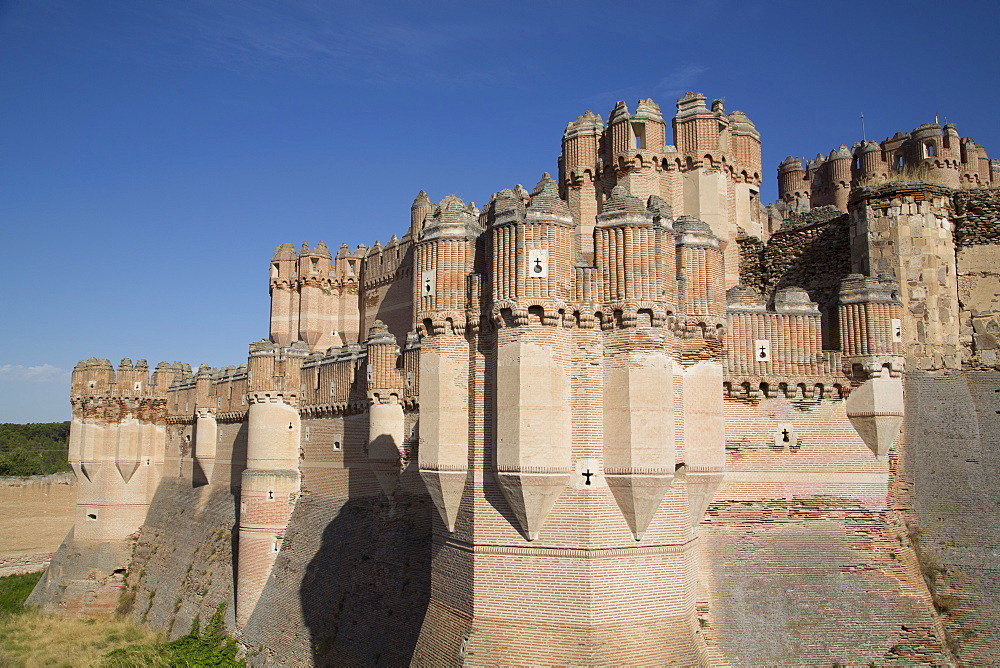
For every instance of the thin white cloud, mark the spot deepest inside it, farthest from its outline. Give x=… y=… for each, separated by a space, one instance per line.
x=40 y=373
x=671 y=86
x=269 y=36
x=680 y=81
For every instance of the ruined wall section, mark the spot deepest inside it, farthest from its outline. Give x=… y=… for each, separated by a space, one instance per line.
x=977 y=245
x=948 y=468
x=811 y=250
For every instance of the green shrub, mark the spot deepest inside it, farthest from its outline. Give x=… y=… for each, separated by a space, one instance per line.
x=211 y=647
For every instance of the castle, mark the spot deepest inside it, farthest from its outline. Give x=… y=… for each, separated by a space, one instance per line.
x=632 y=417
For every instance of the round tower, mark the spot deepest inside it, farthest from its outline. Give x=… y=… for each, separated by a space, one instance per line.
x=620 y=132
x=632 y=259
x=532 y=273
x=838 y=171
x=284 y=295
x=419 y=210
x=444 y=260
x=385 y=407
x=870 y=164
x=270 y=482
x=791 y=179
x=699 y=261
x=578 y=168
x=637 y=291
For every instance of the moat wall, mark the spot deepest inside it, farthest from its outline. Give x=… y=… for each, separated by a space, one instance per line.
x=949 y=472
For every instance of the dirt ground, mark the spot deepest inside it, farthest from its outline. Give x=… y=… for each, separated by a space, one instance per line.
x=37 y=514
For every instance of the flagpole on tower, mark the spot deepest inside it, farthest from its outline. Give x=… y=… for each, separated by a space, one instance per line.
x=864 y=135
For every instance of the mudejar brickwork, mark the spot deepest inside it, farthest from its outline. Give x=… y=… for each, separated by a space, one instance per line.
x=632 y=416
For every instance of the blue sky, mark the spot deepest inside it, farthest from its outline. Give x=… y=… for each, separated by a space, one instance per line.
x=154 y=152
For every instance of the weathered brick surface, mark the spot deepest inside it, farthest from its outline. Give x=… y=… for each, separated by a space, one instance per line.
x=803 y=559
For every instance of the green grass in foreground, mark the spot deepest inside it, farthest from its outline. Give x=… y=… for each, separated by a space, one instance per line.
x=31 y=638
x=211 y=647
x=14 y=589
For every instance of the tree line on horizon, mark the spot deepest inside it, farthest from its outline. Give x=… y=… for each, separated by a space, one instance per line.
x=34 y=449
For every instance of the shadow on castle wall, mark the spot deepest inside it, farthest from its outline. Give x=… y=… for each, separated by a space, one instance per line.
x=351 y=590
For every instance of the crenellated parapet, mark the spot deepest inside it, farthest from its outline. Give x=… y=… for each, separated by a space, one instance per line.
x=930 y=152
x=335 y=382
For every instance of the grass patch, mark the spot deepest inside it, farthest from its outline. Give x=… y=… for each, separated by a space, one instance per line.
x=31 y=638
x=14 y=589
x=36 y=639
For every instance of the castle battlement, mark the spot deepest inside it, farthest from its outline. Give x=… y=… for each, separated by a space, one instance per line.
x=930 y=152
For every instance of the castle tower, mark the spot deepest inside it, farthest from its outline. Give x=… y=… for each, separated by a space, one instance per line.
x=578 y=175
x=385 y=409
x=871 y=164
x=346 y=308
x=871 y=338
x=702 y=137
x=903 y=232
x=636 y=261
x=792 y=184
x=951 y=144
x=284 y=295
x=533 y=260
x=572 y=477
x=421 y=208
x=206 y=428
x=816 y=176
x=636 y=147
x=444 y=260
x=702 y=302
x=270 y=482
x=116 y=449
x=700 y=274
x=117 y=442
x=746 y=175
x=926 y=148
x=838 y=176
